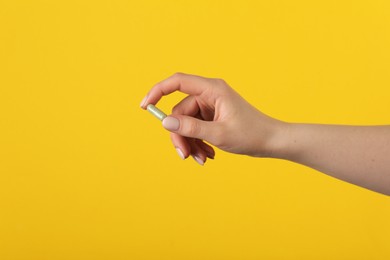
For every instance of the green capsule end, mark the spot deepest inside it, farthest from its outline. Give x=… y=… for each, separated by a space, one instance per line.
x=160 y=115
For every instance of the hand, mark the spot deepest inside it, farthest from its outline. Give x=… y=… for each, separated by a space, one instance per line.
x=215 y=113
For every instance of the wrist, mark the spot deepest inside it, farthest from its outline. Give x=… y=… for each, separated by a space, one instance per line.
x=280 y=140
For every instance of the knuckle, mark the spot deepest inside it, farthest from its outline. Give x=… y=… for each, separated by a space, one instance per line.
x=177 y=75
x=220 y=82
x=193 y=128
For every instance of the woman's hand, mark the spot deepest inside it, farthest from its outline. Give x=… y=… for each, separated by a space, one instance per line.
x=215 y=113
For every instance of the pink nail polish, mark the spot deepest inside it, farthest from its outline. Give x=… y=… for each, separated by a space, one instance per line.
x=170 y=123
x=198 y=160
x=143 y=102
x=180 y=153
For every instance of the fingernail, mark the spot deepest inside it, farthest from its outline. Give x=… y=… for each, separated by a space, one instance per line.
x=198 y=160
x=171 y=123
x=180 y=153
x=143 y=102
x=211 y=156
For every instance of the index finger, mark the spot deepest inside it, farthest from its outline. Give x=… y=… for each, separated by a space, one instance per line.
x=186 y=83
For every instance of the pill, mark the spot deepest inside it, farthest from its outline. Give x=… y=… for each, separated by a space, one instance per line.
x=160 y=115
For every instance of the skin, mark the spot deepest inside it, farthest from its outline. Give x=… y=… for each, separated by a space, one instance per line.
x=214 y=113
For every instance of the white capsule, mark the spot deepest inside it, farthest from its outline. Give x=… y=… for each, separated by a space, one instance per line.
x=156 y=112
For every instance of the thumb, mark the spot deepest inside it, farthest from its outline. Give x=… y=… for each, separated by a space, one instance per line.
x=189 y=126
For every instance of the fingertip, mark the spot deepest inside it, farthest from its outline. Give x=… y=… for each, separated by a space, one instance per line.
x=171 y=123
x=207 y=149
x=143 y=102
x=180 y=153
x=199 y=159
x=181 y=143
x=211 y=156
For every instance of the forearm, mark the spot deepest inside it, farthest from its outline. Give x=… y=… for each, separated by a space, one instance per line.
x=356 y=154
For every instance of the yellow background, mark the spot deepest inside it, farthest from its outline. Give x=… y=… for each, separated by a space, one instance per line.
x=86 y=174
